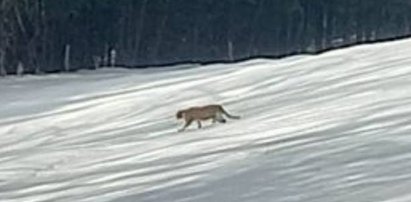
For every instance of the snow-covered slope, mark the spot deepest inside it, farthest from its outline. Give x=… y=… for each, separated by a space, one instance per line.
x=328 y=128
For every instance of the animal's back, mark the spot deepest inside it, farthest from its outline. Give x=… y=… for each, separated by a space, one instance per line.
x=204 y=112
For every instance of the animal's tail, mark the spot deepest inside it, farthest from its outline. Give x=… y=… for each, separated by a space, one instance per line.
x=228 y=115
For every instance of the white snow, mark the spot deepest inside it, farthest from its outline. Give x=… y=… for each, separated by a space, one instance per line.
x=328 y=128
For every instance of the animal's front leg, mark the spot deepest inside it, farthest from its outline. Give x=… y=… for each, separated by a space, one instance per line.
x=186 y=125
x=199 y=124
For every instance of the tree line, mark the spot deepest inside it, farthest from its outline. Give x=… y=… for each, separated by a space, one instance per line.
x=39 y=36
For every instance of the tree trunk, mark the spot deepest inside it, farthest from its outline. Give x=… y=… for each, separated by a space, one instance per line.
x=113 y=55
x=96 y=61
x=20 y=69
x=67 y=58
x=140 y=28
x=3 y=71
x=230 y=51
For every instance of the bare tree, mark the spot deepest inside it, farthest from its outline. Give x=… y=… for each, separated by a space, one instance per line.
x=160 y=32
x=324 y=28
x=96 y=61
x=20 y=69
x=257 y=14
x=67 y=58
x=230 y=50
x=2 y=68
x=140 y=27
x=113 y=56
x=6 y=32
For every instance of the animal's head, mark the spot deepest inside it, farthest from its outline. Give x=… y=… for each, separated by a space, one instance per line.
x=179 y=115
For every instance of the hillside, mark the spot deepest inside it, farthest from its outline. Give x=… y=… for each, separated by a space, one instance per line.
x=327 y=128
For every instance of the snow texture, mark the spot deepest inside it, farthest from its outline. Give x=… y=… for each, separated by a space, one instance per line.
x=328 y=128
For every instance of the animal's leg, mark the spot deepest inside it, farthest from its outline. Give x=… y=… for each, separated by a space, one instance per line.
x=222 y=120
x=186 y=125
x=199 y=124
x=219 y=117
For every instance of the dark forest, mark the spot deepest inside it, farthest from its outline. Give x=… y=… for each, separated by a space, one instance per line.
x=39 y=36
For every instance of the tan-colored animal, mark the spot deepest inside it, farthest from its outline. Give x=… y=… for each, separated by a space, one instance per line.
x=213 y=112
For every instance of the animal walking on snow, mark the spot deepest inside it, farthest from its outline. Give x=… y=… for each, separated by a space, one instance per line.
x=202 y=113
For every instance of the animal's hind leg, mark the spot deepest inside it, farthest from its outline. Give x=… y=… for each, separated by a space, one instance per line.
x=219 y=117
x=222 y=120
x=186 y=125
x=214 y=120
